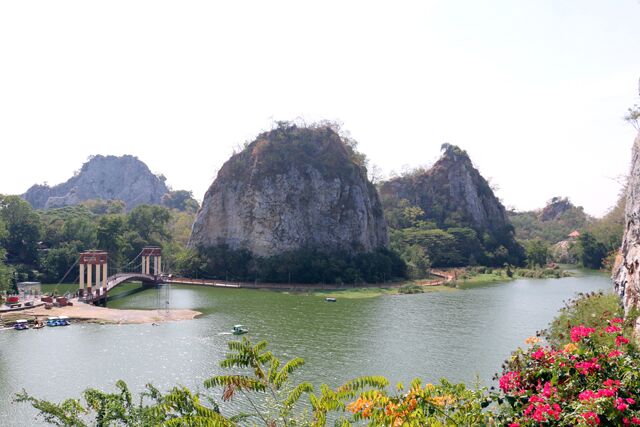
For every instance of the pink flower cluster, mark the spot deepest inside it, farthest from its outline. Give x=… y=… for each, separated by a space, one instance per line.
x=588 y=367
x=541 y=411
x=510 y=381
x=579 y=332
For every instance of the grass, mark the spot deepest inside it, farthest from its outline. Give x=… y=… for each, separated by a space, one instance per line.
x=376 y=291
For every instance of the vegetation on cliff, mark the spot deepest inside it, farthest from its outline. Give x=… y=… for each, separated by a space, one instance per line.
x=448 y=216
x=548 y=234
x=293 y=206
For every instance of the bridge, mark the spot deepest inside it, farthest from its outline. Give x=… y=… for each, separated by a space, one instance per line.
x=94 y=269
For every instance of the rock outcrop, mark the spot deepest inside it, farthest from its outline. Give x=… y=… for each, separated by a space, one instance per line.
x=123 y=178
x=626 y=272
x=452 y=193
x=555 y=208
x=292 y=188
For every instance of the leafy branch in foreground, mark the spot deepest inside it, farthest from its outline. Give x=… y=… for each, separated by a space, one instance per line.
x=179 y=407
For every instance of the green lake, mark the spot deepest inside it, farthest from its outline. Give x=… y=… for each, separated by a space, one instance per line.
x=460 y=334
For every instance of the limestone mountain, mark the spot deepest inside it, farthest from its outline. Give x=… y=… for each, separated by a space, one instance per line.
x=292 y=188
x=626 y=272
x=124 y=178
x=555 y=208
x=451 y=211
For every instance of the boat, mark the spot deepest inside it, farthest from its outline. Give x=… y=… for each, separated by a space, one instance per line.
x=21 y=325
x=52 y=321
x=63 y=321
x=239 y=330
x=330 y=299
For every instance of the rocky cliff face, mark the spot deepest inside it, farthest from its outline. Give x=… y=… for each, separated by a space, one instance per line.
x=452 y=185
x=454 y=194
x=103 y=177
x=292 y=188
x=626 y=272
x=555 y=207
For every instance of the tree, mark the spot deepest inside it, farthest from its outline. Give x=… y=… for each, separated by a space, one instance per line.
x=537 y=252
x=633 y=116
x=590 y=251
x=181 y=200
x=24 y=230
x=150 y=222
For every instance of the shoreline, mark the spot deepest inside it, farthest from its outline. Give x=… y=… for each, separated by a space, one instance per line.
x=93 y=314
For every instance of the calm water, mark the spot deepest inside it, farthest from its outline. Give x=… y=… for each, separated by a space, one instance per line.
x=459 y=334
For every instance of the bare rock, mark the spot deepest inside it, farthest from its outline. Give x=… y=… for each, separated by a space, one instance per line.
x=292 y=188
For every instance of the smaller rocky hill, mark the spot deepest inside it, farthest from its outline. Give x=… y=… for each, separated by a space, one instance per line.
x=123 y=178
x=555 y=207
x=450 y=202
x=553 y=223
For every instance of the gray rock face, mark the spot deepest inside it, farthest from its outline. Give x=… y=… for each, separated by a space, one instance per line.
x=292 y=188
x=626 y=272
x=103 y=177
x=451 y=185
x=556 y=207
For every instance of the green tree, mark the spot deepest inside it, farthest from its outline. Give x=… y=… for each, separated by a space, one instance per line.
x=537 y=252
x=24 y=230
x=181 y=200
x=590 y=251
x=110 y=235
x=150 y=222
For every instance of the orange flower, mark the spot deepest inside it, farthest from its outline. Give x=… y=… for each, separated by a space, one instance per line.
x=570 y=348
x=532 y=340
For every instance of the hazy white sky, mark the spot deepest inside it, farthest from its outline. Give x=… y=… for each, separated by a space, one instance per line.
x=535 y=91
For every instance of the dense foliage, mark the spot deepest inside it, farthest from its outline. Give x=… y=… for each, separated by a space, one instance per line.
x=43 y=245
x=588 y=375
x=310 y=266
x=548 y=231
x=422 y=243
x=530 y=225
x=428 y=226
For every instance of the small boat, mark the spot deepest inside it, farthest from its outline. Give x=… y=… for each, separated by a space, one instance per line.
x=38 y=326
x=21 y=325
x=52 y=321
x=239 y=330
x=330 y=299
x=63 y=321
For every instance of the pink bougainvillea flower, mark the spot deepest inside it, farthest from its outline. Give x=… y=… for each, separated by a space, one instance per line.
x=587 y=395
x=621 y=340
x=617 y=320
x=612 y=329
x=614 y=353
x=591 y=418
x=588 y=367
x=579 y=332
x=510 y=381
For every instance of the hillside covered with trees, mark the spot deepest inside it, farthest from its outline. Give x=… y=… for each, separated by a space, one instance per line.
x=448 y=216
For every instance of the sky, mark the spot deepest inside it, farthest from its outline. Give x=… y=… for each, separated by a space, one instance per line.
x=534 y=91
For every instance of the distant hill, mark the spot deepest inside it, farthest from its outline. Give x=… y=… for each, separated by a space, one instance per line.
x=451 y=213
x=553 y=223
x=124 y=178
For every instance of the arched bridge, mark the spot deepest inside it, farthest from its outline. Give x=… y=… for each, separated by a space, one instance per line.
x=119 y=278
x=94 y=272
